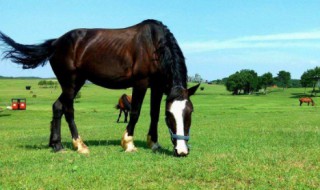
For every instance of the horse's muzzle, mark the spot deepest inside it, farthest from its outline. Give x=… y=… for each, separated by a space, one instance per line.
x=180 y=154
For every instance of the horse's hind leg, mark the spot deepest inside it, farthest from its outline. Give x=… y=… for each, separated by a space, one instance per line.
x=120 y=111
x=126 y=116
x=69 y=90
x=77 y=142
x=55 y=135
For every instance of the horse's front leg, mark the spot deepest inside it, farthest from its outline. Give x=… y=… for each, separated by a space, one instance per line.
x=152 y=137
x=137 y=99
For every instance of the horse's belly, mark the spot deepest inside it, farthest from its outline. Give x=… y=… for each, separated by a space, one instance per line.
x=116 y=83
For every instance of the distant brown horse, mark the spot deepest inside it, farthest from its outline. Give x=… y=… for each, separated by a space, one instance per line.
x=124 y=105
x=306 y=100
x=142 y=56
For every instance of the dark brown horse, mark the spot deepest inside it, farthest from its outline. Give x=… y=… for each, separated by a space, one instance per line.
x=124 y=105
x=141 y=56
x=306 y=100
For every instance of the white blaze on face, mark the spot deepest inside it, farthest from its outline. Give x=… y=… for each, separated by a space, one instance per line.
x=176 y=109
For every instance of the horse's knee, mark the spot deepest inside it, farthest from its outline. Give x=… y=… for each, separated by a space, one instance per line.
x=134 y=116
x=57 y=109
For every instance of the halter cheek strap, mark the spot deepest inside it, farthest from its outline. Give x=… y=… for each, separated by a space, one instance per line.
x=178 y=137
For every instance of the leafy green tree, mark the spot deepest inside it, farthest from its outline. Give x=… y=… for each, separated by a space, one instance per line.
x=245 y=80
x=233 y=83
x=250 y=81
x=42 y=83
x=310 y=78
x=266 y=80
x=283 y=79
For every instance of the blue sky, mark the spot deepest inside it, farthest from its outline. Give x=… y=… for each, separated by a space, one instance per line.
x=218 y=37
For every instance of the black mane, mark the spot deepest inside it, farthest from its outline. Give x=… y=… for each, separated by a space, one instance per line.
x=170 y=55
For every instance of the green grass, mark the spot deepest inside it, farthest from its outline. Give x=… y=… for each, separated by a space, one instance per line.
x=237 y=142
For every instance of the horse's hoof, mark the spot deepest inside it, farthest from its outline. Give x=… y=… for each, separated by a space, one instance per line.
x=127 y=143
x=131 y=149
x=56 y=147
x=153 y=145
x=79 y=145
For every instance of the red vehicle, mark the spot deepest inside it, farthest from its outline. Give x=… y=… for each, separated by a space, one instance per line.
x=18 y=103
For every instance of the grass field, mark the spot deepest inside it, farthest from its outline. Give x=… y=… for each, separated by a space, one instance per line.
x=237 y=142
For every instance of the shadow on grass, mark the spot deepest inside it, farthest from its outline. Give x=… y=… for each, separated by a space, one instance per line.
x=5 y=115
x=300 y=95
x=34 y=147
x=90 y=143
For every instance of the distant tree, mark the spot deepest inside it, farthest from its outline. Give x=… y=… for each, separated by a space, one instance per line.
x=196 y=78
x=283 y=79
x=307 y=78
x=233 y=83
x=310 y=78
x=50 y=83
x=56 y=84
x=250 y=79
x=295 y=83
x=42 y=83
x=245 y=80
x=266 y=80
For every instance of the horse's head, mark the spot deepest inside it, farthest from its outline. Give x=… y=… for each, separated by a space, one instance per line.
x=178 y=117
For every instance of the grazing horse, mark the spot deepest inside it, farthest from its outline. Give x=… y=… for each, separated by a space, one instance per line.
x=142 y=56
x=124 y=105
x=306 y=100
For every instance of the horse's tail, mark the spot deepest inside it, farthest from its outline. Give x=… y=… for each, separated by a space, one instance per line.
x=30 y=56
x=117 y=106
x=169 y=53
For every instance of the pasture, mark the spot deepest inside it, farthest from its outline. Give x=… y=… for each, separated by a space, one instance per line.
x=241 y=142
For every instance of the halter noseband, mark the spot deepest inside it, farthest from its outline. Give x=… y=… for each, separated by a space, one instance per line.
x=178 y=137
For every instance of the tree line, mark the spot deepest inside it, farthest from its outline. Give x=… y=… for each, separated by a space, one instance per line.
x=48 y=84
x=247 y=81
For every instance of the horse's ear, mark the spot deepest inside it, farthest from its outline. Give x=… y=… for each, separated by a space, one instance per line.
x=193 y=90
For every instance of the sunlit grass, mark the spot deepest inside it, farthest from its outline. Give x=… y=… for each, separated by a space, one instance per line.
x=242 y=142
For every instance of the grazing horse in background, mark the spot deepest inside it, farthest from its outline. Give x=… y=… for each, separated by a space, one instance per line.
x=142 y=56
x=124 y=105
x=306 y=100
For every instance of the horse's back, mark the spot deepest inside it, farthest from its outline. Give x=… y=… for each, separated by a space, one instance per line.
x=124 y=102
x=109 y=57
x=305 y=99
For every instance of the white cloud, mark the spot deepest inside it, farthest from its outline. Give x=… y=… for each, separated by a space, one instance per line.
x=284 y=40
x=313 y=35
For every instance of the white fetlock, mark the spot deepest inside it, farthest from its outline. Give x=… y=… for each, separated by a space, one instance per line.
x=79 y=145
x=154 y=146
x=127 y=143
